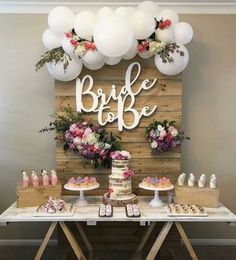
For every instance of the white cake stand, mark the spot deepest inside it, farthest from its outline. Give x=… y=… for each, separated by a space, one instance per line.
x=156 y=201
x=81 y=201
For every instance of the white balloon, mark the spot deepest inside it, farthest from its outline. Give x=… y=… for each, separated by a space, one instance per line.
x=173 y=68
x=112 y=60
x=85 y=22
x=149 y=7
x=51 y=40
x=166 y=35
x=72 y=71
x=104 y=11
x=132 y=51
x=122 y=11
x=93 y=57
x=94 y=66
x=168 y=14
x=67 y=46
x=143 y=24
x=183 y=33
x=131 y=10
x=61 y=20
x=145 y=54
x=113 y=36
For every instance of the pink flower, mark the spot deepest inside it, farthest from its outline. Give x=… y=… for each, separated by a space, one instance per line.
x=68 y=35
x=72 y=127
x=74 y=42
x=128 y=173
x=87 y=131
x=77 y=141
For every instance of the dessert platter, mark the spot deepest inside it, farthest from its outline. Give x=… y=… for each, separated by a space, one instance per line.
x=132 y=211
x=55 y=207
x=81 y=184
x=185 y=210
x=156 y=184
x=120 y=181
x=105 y=211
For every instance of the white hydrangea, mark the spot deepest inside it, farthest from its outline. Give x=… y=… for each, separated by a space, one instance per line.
x=154 y=144
x=126 y=154
x=91 y=139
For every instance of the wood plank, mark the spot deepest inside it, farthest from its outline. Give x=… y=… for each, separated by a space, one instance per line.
x=164 y=103
x=163 y=87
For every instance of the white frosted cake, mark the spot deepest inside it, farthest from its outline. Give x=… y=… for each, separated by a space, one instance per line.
x=120 y=183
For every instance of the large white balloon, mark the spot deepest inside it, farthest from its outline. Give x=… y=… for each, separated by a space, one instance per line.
x=94 y=66
x=122 y=11
x=131 y=10
x=143 y=24
x=51 y=40
x=93 y=57
x=166 y=35
x=113 y=36
x=173 y=68
x=61 y=20
x=168 y=14
x=183 y=33
x=132 y=51
x=85 y=22
x=72 y=71
x=145 y=54
x=112 y=60
x=104 y=11
x=67 y=46
x=149 y=7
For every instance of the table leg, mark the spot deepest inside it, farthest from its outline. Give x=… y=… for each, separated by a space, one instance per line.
x=86 y=241
x=45 y=241
x=74 y=244
x=143 y=241
x=159 y=241
x=186 y=241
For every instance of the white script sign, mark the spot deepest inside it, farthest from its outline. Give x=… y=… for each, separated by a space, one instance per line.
x=101 y=100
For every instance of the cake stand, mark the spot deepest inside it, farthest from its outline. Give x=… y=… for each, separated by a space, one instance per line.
x=156 y=201
x=81 y=201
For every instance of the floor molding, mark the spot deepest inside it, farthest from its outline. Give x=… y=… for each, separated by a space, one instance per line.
x=212 y=242
x=11 y=7
x=26 y=242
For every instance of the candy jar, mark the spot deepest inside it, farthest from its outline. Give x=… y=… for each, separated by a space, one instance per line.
x=34 y=179
x=25 y=180
x=54 y=178
x=45 y=177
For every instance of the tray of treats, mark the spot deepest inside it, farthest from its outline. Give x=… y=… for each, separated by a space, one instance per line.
x=105 y=211
x=55 y=207
x=185 y=210
x=132 y=211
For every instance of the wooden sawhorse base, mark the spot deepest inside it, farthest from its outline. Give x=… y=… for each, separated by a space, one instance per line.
x=160 y=239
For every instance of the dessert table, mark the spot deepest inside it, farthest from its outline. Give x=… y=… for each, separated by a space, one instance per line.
x=149 y=215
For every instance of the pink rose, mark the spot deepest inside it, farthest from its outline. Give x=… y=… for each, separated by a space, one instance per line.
x=77 y=141
x=87 y=131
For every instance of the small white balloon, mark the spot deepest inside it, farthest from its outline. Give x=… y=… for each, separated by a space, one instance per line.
x=149 y=7
x=166 y=35
x=122 y=11
x=94 y=66
x=104 y=11
x=168 y=14
x=61 y=20
x=67 y=46
x=173 y=68
x=131 y=10
x=143 y=24
x=183 y=33
x=93 y=57
x=132 y=51
x=85 y=22
x=51 y=40
x=112 y=60
x=72 y=71
x=145 y=54
x=113 y=36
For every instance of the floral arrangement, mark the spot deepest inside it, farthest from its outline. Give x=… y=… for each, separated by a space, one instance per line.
x=120 y=155
x=163 y=136
x=90 y=141
x=128 y=173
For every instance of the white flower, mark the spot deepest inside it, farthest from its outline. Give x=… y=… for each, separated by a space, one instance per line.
x=174 y=132
x=80 y=50
x=107 y=146
x=91 y=139
x=163 y=133
x=154 y=144
x=160 y=128
x=125 y=154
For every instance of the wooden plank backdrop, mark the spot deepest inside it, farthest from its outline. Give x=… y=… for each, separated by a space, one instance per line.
x=166 y=94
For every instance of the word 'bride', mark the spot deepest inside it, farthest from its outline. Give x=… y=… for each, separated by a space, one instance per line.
x=100 y=100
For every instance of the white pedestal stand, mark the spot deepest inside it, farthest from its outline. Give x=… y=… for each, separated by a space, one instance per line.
x=81 y=201
x=156 y=201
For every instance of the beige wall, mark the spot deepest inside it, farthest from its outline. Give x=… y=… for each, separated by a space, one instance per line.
x=209 y=106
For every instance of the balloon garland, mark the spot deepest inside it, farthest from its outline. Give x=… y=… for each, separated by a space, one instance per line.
x=93 y=40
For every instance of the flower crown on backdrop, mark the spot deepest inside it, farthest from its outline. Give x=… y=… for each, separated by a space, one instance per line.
x=93 y=40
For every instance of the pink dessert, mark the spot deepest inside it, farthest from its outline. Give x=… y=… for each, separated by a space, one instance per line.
x=155 y=182
x=81 y=182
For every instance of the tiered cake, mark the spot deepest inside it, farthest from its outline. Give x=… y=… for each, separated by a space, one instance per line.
x=120 y=180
